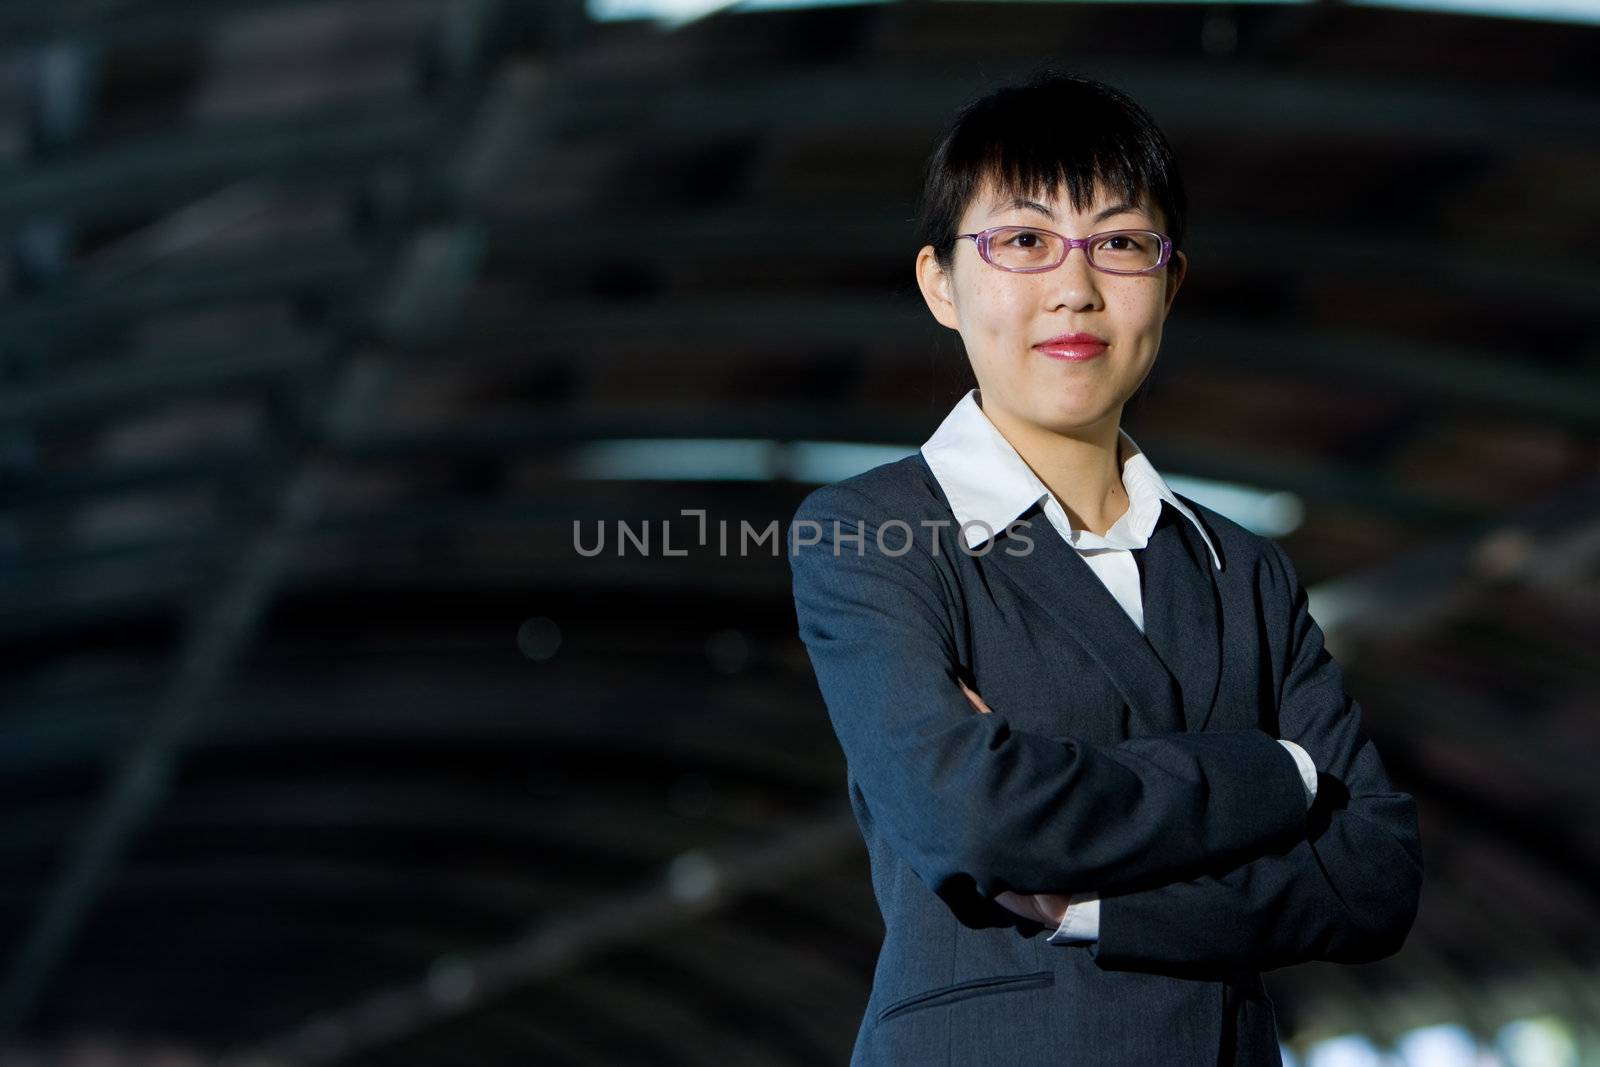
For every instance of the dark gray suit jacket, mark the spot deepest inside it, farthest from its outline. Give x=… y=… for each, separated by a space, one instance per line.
x=1152 y=777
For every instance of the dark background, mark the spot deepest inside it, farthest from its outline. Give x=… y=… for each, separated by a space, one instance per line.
x=320 y=743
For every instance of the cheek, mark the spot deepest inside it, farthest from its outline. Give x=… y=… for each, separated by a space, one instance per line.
x=999 y=311
x=1136 y=309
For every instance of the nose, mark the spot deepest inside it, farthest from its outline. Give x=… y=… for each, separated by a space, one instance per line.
x=1075 y=284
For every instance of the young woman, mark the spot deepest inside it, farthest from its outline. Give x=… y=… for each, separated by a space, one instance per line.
x=1104 y=767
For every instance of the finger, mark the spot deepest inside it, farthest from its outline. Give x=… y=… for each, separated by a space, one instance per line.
x=1022 y=904
x=1052 y=905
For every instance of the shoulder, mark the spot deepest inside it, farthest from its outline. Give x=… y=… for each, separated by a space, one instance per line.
x=887 y=524
x=902 y=489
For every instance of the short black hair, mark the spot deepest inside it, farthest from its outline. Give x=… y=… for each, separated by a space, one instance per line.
x=1056 y=127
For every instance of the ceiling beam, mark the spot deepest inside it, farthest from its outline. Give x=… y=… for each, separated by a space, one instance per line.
x=1249 y=96
x=172 y=169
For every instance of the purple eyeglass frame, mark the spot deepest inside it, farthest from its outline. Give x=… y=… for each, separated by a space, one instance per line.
x=1069 y=243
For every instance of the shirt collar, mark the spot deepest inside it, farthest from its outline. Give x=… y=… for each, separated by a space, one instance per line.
x=988 y=484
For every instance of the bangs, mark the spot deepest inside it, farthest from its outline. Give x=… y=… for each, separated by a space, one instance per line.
x=1040 y=172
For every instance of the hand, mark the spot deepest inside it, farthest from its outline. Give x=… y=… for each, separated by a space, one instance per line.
x=1046 y=909
x=977 y=701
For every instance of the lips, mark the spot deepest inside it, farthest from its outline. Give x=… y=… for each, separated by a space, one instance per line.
x=1075 y=347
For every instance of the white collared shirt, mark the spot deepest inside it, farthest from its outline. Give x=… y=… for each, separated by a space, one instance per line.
x=989 y=485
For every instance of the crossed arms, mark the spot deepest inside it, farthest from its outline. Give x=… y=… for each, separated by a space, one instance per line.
x=1199 y=844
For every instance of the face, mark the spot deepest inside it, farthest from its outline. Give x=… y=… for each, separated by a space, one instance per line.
x=1003 y=316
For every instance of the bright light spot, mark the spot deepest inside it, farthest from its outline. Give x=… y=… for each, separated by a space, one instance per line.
x=1445 y=1045
x=1544 y=1041
x=692 y=876
x=730 y=459
x=1555 y=10
x=671 y=14
x=1351 y=1050
x=1266 y=512
x=677 y=459
x=821 y=462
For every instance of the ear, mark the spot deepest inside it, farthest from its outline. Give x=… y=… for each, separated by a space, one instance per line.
x=1175 y=278
x=936 y=290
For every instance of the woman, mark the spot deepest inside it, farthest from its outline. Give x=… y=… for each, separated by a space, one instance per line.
x=1081 y=751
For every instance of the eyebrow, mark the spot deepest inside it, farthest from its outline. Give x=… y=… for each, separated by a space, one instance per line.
x=1022 y=203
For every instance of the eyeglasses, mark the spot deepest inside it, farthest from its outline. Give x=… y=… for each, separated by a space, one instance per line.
x=1030 y=250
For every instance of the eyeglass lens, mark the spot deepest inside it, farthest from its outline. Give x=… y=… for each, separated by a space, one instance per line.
x=1024 y=248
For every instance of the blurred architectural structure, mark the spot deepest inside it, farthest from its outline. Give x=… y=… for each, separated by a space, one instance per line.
x=320 y=326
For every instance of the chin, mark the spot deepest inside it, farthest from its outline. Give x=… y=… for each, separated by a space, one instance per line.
x=1070 y=420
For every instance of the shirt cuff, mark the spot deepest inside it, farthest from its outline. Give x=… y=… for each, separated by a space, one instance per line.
x=1082 y=921
x=1308 y=769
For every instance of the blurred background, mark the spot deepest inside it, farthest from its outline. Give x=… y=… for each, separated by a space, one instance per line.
x=334 y=334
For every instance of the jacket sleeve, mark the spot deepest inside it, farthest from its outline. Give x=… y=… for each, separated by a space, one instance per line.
x=1346 y=893
x=971 y=803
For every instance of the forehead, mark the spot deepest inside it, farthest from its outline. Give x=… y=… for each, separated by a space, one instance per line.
x=989 y=200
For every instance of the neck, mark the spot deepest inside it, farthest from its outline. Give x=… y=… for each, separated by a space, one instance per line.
x=1082 y=470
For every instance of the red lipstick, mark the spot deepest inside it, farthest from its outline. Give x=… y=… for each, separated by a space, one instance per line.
x=1073 y=347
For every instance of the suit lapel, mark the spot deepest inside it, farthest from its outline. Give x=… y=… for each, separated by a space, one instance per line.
x=1056 y=578
x=1182 y=616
